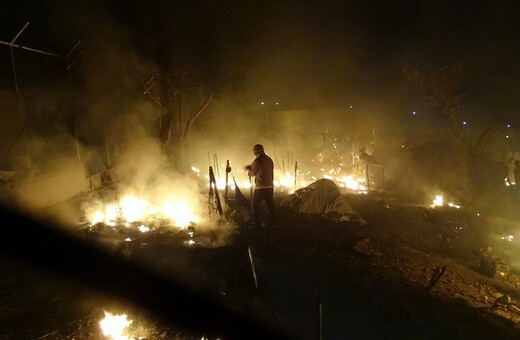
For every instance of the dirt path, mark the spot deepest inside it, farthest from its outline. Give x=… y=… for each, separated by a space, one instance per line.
x=373 y=280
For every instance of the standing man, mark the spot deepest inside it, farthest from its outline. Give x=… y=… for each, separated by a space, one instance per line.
x=262 y=170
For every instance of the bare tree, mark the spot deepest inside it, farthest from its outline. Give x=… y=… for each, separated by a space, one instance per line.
x=182 y=101
x=442 y=89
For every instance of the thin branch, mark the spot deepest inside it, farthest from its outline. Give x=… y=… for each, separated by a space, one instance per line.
x=192 y=118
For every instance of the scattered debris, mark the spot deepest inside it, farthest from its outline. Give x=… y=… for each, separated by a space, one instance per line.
x=437 y=274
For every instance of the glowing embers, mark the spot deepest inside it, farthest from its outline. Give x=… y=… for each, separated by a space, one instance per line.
x=352 y=183
x=439 y=202
x=508 y=238
x=115 y=326
x=134 y=211
x=191 y=236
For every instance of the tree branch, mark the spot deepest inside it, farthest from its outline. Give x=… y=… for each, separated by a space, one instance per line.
x=193 y=117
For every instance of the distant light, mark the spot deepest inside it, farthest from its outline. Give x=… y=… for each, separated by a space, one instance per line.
x=276 y=103
x=402 y=146
x=414 y=112
x=508 y=125
x=262 y=103
x=350 y=106
x=464 y=123
x=507 y=136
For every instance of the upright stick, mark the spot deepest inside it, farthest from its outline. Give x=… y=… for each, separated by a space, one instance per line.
x=228 y=170
x=252 y=267
x=215 y=190
x=320 y=316
x=295 y=173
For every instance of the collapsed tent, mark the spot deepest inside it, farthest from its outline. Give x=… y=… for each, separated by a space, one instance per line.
x=321 y=197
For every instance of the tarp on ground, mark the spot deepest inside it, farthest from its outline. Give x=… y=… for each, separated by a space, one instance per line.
x=321 y=197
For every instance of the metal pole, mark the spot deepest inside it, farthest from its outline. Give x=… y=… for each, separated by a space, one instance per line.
x=252 y=267
x=320 y=316
x=30 y=49
x=17 y=89
x=11 y=44
x=14 y=71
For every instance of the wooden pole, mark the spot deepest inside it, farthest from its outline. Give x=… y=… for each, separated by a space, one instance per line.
x=228 y=170
x=215 y=190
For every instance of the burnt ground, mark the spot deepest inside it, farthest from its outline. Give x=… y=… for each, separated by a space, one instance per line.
x=374 y=279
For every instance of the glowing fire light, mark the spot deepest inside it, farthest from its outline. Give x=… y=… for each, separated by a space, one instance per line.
x=114 y=326
x=144 y=229
x=352 y=183
x=453 y=205
x=439 y=202
x=133 y=209
x=179 y=213
x=288 y=181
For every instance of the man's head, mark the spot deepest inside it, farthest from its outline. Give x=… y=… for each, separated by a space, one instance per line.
x=258 y=149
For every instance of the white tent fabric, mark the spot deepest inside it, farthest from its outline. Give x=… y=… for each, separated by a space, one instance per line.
x=320 y=197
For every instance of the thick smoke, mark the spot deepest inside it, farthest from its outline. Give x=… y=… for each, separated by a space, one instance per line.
x=297 y=84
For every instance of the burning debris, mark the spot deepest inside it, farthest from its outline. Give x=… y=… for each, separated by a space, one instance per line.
x=115 y=326
x=136 y=221
x=131 y=209
x=439 y=202
x=362 y=176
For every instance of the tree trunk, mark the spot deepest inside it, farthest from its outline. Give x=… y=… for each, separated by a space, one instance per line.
x=170 y=129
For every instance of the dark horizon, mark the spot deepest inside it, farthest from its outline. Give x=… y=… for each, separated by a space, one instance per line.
x=334 y=53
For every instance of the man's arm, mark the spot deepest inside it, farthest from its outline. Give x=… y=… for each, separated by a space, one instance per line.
x=249 y=169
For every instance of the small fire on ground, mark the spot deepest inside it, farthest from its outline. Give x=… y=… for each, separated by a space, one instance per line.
x=439 y=202
x=135 y=217
x=115 y=326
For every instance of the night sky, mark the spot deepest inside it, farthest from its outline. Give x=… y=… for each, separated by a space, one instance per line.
x=304 y=54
